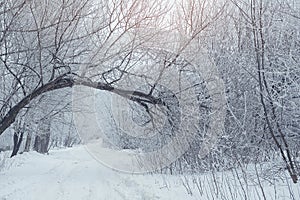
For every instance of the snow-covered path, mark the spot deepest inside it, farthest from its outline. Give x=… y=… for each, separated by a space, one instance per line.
x=73 y=174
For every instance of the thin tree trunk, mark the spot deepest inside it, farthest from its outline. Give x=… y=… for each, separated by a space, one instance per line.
x=28 y=142
x=42 y=140
x=259 y=47
x=17 y=143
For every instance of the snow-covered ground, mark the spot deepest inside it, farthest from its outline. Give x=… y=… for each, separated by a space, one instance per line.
x=74 y=174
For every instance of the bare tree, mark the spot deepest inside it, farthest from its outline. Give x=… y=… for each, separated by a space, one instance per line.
x=43 y=43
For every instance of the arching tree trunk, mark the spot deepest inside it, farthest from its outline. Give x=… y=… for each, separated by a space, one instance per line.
x=65 y=81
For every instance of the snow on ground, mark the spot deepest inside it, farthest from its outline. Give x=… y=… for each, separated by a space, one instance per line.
x=73 y=174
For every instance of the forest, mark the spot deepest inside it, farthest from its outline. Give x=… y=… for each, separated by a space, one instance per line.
x=182 y=87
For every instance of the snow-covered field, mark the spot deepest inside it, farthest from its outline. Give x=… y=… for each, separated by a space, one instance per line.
x=74 y=174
